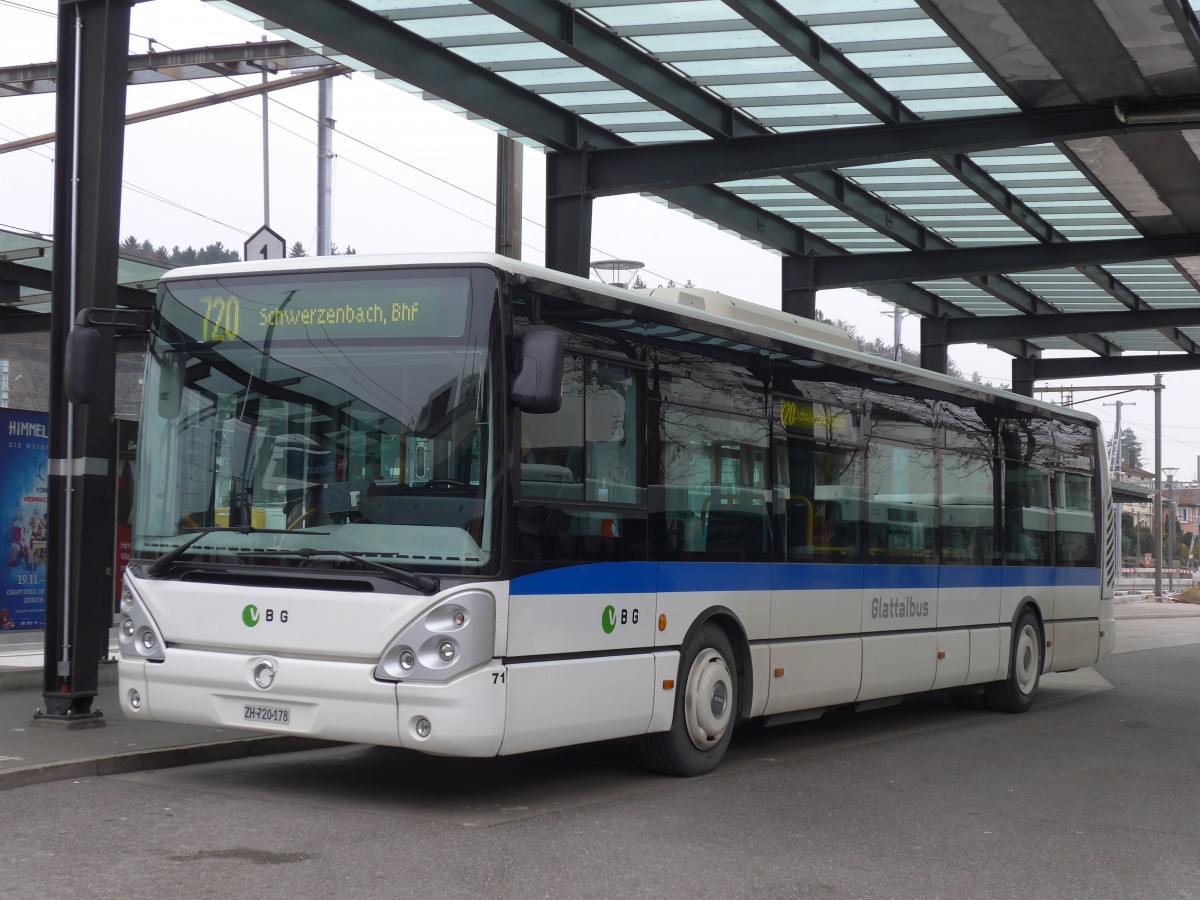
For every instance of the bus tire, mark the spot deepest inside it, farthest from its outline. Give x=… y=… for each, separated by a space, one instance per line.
x=1015 y=693
x=706 y=706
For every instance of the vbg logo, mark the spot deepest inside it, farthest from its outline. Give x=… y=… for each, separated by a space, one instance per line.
x=610 y=618
x=250 y=615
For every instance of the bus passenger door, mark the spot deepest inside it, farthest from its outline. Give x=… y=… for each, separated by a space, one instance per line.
x=969 y=580
x=1028 y=543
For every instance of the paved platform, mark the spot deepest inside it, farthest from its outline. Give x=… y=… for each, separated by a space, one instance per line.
x=33 y=752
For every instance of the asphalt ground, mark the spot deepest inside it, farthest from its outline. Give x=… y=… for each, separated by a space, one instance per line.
x=33 y=751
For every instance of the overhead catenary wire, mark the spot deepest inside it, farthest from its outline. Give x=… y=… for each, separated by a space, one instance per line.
x=363 y=166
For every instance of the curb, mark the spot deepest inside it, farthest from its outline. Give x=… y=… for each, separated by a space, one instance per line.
x=163 y=758
x=30 y=679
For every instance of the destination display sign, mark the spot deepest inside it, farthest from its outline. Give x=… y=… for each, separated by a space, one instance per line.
x=816 y=419
x=260 y=310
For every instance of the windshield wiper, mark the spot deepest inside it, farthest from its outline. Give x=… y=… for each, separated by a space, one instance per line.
x=160 y=564
x=426 y=584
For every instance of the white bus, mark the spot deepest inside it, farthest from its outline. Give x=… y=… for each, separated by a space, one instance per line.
x=473 y=507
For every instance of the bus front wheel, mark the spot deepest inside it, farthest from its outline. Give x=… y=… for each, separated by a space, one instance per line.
x=1016 y=692
x=706 y=706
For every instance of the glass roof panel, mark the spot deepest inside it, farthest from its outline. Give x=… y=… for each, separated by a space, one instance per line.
x=806 y=111
x=791 y=89
x=574 y=99
x=441 y=29
x=726 y=69
x=508 y=53
x=871 y=32
x=728 y=41
x=961 y=106
x=807 y=8
x=690 y=13
x=912 y=59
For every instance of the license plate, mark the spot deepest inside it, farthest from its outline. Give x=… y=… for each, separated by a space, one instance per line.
x=274 y=715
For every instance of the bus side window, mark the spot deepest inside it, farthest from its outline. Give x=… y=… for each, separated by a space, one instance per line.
x=714 y=496
x=1074 y=520
x=1028 y=530
x=967 y=509
x=902 y=511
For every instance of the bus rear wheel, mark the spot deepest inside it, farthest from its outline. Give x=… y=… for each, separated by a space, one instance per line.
x=1016 y=692
x=706 y=706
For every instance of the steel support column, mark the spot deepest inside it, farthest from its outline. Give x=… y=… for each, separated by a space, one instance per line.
x=93 y=38
x=799 y=296
x=568 y=213
x=1024 y=374
x=935 y=348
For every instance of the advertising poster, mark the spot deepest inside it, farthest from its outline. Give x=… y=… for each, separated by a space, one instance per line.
x=24 y=452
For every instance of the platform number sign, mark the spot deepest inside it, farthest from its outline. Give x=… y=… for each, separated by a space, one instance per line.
x=264 y=244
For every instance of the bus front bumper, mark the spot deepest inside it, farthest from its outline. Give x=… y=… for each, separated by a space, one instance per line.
x=337 y=701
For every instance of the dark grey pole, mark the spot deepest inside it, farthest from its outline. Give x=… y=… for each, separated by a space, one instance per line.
x=509 y=180
x=93 y=39
x=1158 y=511
x=324 y=166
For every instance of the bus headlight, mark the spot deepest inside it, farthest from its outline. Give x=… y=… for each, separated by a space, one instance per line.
x=138 y=635
x=454 y=636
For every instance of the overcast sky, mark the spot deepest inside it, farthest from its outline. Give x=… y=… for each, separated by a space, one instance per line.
x=409 y=176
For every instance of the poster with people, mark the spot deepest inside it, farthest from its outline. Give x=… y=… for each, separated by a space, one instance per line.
x=24 y=454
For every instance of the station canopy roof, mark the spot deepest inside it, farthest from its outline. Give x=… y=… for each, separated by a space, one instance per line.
x=1004 y=160
x=26 y=261
x=1008 y=127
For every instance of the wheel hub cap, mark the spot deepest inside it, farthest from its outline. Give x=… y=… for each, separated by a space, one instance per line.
x=706 y=699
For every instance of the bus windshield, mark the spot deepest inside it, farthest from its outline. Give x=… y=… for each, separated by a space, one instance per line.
x=342 y=413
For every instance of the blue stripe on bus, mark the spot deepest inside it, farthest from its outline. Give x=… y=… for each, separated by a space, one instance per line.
x=681 y=577
x=592 y=578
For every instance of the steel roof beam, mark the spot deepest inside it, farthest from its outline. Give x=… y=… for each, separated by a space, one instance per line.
x=39 y=280
x=674 y=164
x=931 y=265
x=370 y=38
x=983 y=328
x=1031 y=370
x=206 y=62
x=844 y=194
x=579 y=37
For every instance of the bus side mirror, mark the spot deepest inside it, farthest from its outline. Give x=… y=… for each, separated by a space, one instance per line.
x=82 y=345
x=537 y=384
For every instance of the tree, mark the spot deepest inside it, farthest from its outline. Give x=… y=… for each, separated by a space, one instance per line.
x=297 y=250
x=1131 y=449
x=213 y=253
